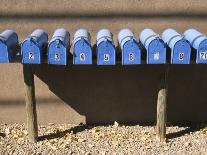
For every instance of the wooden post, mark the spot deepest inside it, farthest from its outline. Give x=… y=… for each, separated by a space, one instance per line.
x=30 y=103
x=162 y=105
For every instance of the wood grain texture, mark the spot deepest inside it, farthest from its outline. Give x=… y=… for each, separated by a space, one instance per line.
x=30 y=103
x=162 y=105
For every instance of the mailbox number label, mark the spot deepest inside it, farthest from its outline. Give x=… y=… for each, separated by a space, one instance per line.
x=82 y=57
x=31 y=55
x=203 y=55
x=156 y=56
x=106 y=57
x=181 y=56
x=57 y=56
x=131 y=56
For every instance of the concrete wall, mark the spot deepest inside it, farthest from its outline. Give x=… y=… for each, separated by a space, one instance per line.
x=96 y=94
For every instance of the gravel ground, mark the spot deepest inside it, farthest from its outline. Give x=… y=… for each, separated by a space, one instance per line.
x=111 y=139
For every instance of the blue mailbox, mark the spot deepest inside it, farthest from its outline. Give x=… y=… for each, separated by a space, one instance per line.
x=199 y=42
x=8 y=45
x=131 y=52
x=154 y=45
x=34 y=47
x=180 y=48
x=82 y=51
x=106 y=54
x=58 y=47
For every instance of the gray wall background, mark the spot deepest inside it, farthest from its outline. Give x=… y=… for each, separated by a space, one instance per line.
x=97 y=94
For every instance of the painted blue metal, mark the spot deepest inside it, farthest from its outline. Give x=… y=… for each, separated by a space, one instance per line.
x=180 y=48
x=199 y=42
x=82 y=51
x=8 y=45
x=58 y=47
x=131 y=52
x=154 y=45
x=34 y=47
x=106 y=54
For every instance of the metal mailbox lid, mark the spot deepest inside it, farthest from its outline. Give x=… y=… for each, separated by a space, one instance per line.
x=154 y=45
x=146 y=36
x=10 y=38
x=8 y=45
x=82 y=50
x=124 y=35
x=180 y=48
x=82 y=33
x=181 y=52
x=104 y=35
x=33 y=46
x=199 y=42
x=131 y=53
x=39 y=37
x=58 y=47
x=156 y=53
x=194 y=37
x=106 y=54
x=62 y=35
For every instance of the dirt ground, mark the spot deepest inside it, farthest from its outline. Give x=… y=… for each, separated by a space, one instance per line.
x=111 y=139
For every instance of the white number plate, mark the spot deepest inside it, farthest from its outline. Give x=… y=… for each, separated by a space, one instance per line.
x=203 y=55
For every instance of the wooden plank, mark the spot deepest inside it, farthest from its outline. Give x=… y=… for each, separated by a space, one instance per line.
x=30 y=103
x=162 y=105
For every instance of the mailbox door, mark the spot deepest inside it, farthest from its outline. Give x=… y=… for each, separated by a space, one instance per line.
x=30 y=53
x=202 y=52
x=57 y=54
x=181 y=53
x=156 y=53
x=4 y=55
x=82 y=52
x=131 y=53
x=106 y=53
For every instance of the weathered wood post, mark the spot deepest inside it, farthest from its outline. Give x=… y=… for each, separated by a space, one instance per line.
x=162 y=105
x=30 y=103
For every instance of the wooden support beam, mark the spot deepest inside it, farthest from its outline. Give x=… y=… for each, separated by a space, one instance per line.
x=30 y=103
x=162 y=105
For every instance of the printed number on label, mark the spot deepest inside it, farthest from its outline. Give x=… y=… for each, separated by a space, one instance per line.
x=82 y=57
x=31 y=55
x=156 y=56
x=106 y=57
x=131 y=56
x=181 y=56
x=203 y=55
x=57 y=57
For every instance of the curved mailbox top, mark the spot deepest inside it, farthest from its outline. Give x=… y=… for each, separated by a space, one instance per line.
x=82 y=33
x=124 y=35
x=194 y=37
x=62 y=35
x=146 y=36
x=171 y=37
x=104 y=35
x=39 y=37
x=9 y=37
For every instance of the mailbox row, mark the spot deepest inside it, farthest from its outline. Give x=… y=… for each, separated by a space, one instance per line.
x=150 y=45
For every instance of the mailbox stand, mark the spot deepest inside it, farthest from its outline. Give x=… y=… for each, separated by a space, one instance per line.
x=162 y=105
x=30 y=102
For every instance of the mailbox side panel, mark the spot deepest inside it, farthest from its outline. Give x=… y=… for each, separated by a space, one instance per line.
x=181 y=53
x=4 y=55
x=82 y=53
x=202 y=52
x=57 y=54
x=106 y=54
x=30 y=53
x=156 y=53
x=131 y=53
